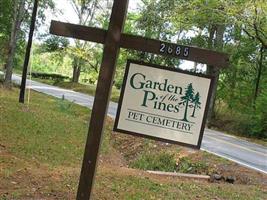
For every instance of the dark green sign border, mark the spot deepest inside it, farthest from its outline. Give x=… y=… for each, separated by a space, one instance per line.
x=115 y=128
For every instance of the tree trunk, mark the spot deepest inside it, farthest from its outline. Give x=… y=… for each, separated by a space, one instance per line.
x=233 y=83
x=17 y=19
x=259 y=74
x=216 y=43
x=234 y=69
x=185 y=112
x=77 y=75
x=213 y=71
x=76 y=70
x=193 y=114
x=210 y=70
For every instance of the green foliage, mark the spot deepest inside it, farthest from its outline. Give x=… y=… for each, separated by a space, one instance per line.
x=241 y=25
x=6 y=18
x=64 y=105
x=87 y=89
x=43 y=144
x=162 y=161
x=55 y=77
x=135 y=188
x=249 y=123
x=51 y=62
x=43 y=131
x=185 y=165
x=54 y=43
x=159 y=162
x=259 y=121
x=5 y=26
x=43 y=6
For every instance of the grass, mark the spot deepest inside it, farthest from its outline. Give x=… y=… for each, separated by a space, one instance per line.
x=41 y=148
x=135 y=188
x=163 y=161
x=156 y=161
x=229 y=125
x=51 y=137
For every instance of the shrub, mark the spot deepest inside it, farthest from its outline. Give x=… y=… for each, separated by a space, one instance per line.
x=185 y=165
x=152 y=161
x=64 y=105
x=251 y=122
x=166 y=162
x=55 y=77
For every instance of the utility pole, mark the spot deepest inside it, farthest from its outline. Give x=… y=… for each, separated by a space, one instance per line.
x=27 y=54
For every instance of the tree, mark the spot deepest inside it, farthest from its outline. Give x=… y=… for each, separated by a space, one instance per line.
x=16 y=34
x=256 y=27
x=18 y=13
x=196 y=103
x=54 y=43
x=153 y=21
x=6 y=11
x=85 y=11
x=188 y=98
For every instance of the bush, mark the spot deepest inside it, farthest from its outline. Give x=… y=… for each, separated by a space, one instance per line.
x=259 y=117
x=55 y=77
x=187 y=166
x=166 y=162
x=64 y=105
x=159 y=162
x=118 y=83
x=252 y=123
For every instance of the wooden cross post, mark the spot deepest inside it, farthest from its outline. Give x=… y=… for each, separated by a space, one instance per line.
x=103 y=89
x=113 y=39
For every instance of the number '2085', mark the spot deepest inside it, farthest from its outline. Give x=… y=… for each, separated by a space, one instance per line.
x=177 y=50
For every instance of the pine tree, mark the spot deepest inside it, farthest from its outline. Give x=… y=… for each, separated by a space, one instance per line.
x=189 y=94
x=196 y=103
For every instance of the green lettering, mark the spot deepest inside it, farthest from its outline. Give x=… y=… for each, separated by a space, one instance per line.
x=141 y=84
x=149 y=96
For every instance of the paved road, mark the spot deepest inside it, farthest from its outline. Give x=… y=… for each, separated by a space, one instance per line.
x=245 y=153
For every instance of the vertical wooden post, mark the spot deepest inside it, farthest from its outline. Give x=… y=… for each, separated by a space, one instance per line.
x=27 y=54
x=104 y=86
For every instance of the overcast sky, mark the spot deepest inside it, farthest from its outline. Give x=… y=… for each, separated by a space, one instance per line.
x=68 y=14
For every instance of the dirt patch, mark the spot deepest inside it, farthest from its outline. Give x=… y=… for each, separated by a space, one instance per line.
x=114 y=158
x=225 y=168
x=29 y=179
x=131 y=147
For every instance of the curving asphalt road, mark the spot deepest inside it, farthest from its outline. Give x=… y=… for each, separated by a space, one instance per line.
x=232 y=148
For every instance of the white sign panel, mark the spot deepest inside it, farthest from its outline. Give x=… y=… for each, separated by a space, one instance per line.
x=163 y=103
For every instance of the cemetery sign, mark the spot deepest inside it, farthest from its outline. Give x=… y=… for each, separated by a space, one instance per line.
x=114 y=39
x=163 y=103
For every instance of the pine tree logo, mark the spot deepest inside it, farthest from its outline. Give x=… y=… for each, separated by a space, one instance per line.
x=196 y=103
x=190 y=100
x=189 y=92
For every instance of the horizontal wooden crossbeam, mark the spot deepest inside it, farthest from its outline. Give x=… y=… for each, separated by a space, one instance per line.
x=142 y=44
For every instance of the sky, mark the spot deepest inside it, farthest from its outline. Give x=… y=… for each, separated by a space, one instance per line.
x=67 y=14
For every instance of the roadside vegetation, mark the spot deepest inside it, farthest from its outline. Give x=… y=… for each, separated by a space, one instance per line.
x=237 y=28
x=80 y=87
x=42 y=144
